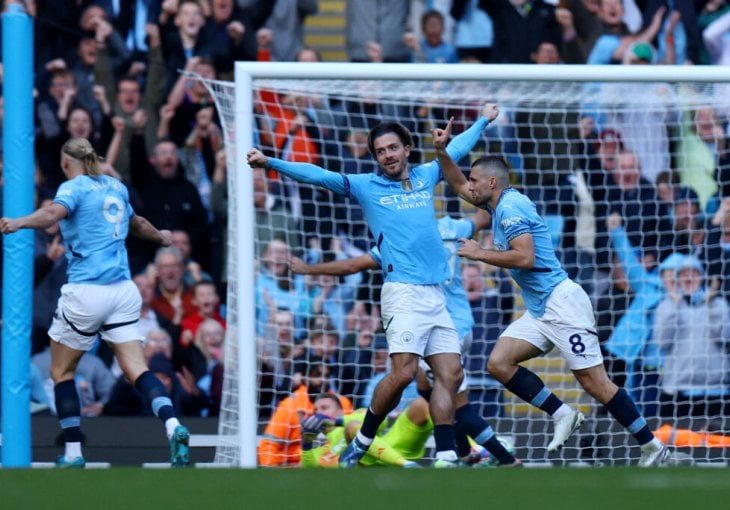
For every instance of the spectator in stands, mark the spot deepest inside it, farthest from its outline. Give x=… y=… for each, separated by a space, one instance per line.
x=519 y=27
x=334 y=297
x=168 y=198
x=694 y=234
x=231 y=32
x=375 y=31
x=183 y=37
x=364 y=355
x=278 y=348
x=198 y=153
x=692 y=325
x=172 y=300
x=701 y=141
x=193 y=271
x=714 y=33
x=631 y=346
x=139 y=112
x=679 y=32
x=95 y=23
x=474 y=31
x=286 y=292
x=281 y=444
x=60 y=96
x=593 y=19
x=646 y=220
x=283 y=33
x=209 y=342
x=432 y=49
x=83 y=71
x=129 y=19
x=273 y=221
x=186 y=99
x=207 y=302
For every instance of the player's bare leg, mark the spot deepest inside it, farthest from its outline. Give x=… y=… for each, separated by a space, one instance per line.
x=448 y=374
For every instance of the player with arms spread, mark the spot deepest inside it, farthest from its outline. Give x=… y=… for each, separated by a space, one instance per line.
x=100 y=296
x=398 y=205
x=559 y=312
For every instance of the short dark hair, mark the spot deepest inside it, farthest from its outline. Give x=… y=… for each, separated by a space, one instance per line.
x=495 y=164
x=433 y=13
x=389 y=127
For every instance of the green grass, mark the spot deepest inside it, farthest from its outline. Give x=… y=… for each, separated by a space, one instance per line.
x=376 y=489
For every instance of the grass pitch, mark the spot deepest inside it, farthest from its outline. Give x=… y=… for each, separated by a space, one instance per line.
x=373 y=489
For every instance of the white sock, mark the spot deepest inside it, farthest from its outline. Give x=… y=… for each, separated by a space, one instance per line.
x=365 y=441
x=170 y=425
x=563 y=410
x=73 y=450
x=449 y=455
x=654 y=444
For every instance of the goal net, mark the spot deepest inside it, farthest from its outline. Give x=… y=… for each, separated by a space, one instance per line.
x=628 y=166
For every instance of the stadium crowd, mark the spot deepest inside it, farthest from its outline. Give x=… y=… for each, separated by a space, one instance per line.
x=642 y=221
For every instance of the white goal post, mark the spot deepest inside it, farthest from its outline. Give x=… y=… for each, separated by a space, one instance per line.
x=239 y=429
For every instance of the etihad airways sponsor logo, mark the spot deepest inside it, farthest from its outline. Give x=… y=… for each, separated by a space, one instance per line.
x=405 y=198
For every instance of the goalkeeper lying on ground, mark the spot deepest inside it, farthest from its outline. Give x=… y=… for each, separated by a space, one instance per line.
x=400 y=445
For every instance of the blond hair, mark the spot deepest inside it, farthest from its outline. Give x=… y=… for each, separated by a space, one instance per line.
x=81 y=149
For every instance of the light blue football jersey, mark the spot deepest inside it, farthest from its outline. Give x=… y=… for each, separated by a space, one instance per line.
x=400 y=214
x=515 y=215
x=457 y=303
x=95 y=228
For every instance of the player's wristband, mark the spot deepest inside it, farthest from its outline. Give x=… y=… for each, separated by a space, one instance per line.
x=339 y=422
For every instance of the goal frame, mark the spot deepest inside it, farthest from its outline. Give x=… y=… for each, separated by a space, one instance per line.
x=247 y=72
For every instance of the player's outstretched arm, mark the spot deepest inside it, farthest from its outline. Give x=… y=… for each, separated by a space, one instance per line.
x=41 y=218
x=140 y=227
x=452 y=173
x=300 y=172
x=336 y=267
x=463 y=143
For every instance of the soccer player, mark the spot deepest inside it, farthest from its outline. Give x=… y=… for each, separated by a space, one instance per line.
x=559 y=312
x=100 y=296
x=457 y=304
x=398 y=206
x=400 y=445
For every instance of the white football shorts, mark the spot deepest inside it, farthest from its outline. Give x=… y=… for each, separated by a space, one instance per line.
x=568 y=324
x=415 y=320
x=85 y=310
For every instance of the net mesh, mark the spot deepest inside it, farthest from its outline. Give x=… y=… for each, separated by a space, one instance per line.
x=652 y=153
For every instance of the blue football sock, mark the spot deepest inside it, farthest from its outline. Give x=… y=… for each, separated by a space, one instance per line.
x=156 y=394
x=627 y=414
x=68 y=409
x=530 y=388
